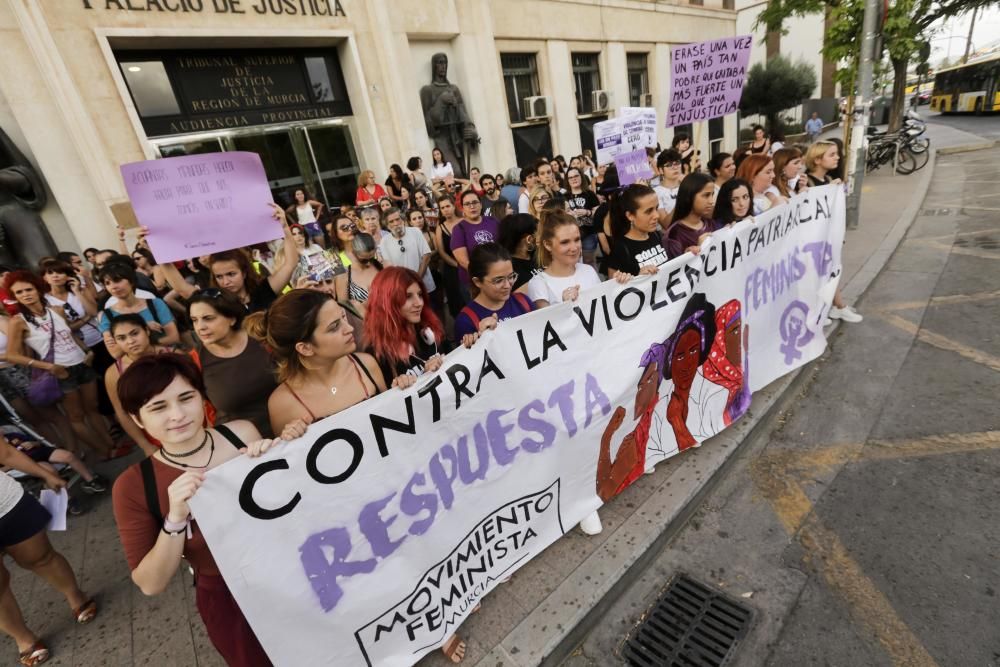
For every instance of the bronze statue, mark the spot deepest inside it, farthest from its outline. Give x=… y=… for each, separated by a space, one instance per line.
x=23 y=236
x=448 y=124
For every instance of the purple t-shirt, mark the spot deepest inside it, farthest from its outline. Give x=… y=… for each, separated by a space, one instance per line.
x=467 y=235
x=681 y=237
x=513 y=308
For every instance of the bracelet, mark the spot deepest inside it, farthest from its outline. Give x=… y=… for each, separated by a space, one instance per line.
x=174 y=528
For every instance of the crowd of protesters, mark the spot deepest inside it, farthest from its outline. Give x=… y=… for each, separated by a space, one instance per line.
x=187 y=365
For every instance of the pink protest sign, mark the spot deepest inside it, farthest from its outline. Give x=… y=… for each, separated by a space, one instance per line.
x=632 y=166
x=200 y=204
x=707 y=79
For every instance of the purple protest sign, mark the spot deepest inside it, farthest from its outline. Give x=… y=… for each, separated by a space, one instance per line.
x=632 y=166
x=200 y=204
x=707 y=79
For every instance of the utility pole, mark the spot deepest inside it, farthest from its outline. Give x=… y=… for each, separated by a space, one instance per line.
x=861 y=113
x=968 y=42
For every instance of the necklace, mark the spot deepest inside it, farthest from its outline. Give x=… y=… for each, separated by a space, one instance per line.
x=163 y=453
x=195 y=450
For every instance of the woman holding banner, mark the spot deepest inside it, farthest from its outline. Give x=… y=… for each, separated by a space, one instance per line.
x=492 y=274
x=733 y=203
x=563 y=278
x=402 y=331
x=638 y=247
x=758 y=171
x=313 y=343
x=692 y=217
x=164 y=395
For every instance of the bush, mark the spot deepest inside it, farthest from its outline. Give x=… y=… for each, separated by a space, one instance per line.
x=779 y=85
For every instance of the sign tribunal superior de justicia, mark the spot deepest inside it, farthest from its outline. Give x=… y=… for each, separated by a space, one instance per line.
x=274 y=7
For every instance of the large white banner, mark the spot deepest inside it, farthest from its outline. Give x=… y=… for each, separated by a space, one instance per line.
x=371 y=538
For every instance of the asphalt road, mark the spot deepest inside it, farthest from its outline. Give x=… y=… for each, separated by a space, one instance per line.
x=985 y=126
x=862 y=526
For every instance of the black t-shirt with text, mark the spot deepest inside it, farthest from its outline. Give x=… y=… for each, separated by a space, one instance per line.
x=629 y=255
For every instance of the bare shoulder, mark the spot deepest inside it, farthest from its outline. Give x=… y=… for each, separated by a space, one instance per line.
x=372 y=365
x=283 y=408
x=244 y=430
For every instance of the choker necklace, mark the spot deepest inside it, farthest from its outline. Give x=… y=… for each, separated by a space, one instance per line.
x=209 y=437
x=195 y=450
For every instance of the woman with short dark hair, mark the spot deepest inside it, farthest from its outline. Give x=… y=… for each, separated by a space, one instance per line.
x=164 y=395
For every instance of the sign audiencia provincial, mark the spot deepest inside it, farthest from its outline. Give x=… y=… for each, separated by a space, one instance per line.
x=370 y=539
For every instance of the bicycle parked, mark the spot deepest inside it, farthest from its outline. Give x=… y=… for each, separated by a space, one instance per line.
x=906 y=148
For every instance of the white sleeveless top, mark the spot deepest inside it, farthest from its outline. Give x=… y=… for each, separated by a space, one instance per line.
x=10 y=493
x=39 y=335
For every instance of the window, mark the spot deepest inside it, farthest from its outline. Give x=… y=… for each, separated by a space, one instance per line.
x=697 y=3
x=150 y=87
x=729 y=4
x=638 y=78
x=587 y=79
x=520 y=80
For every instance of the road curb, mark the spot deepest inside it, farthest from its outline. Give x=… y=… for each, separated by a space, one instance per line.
x=551 y=631
x=965 y=148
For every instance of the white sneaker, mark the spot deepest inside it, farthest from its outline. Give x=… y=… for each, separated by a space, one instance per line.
x=827 y=322
x=846 y=313
x=591 y=524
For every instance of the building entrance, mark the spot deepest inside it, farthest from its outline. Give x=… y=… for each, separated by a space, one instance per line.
x=319 y=157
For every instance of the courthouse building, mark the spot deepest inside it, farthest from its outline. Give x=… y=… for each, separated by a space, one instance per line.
x=322 y=89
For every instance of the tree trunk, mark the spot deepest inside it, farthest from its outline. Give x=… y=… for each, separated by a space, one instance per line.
x=898 y=93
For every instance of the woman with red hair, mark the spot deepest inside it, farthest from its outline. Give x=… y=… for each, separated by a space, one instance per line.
x=402 y=331
x=758 y=171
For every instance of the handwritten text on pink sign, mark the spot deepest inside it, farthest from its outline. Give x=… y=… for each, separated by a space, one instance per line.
x=707 y=79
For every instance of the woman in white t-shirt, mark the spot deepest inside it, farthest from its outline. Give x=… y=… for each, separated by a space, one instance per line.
x=307 y=212
x=441 y=170
x=564 y=276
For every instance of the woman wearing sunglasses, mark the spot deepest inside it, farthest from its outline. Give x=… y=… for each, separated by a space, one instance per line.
x=492 y=272
x=354 y=285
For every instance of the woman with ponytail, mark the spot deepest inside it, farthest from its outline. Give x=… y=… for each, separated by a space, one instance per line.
x=401 y=330
x=313 y=344
x=638 y=245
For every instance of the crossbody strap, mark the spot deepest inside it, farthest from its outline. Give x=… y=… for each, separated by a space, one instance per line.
x=149 y=488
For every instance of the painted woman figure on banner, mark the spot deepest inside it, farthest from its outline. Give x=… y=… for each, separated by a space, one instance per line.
x=683 y=409
x=614 y=475
x=725 y=372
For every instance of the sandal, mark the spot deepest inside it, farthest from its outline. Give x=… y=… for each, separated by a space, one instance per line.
x=86 y=612
x=36 y=655
x=454 y=649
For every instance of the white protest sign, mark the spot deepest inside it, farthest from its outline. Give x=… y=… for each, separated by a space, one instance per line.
x=707 y=79
x=638 y=127
x=370 y=539
x=608 y=140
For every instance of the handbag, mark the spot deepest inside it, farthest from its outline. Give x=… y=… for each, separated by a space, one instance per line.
x=44 y=387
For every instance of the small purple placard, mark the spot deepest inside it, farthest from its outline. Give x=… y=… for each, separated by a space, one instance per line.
x=199 y=204
x=707 y=79
x=633 y=166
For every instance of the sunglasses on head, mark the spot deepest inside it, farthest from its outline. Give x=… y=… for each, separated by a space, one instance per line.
x=210 y=292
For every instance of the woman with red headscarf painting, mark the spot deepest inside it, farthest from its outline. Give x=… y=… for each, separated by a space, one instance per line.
x=726 y=367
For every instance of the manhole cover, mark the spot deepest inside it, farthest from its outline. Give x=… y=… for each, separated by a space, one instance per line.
x=691 y=625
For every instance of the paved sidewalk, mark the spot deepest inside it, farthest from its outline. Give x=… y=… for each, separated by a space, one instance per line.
x=522 y=622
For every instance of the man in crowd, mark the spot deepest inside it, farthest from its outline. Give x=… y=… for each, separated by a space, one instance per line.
x=814 y=126
x=406 y=246
x=490 y=195
x=529 y=179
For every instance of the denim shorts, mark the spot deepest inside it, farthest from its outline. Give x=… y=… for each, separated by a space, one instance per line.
x=79 y=375
x=312 y=229
x=589 y=243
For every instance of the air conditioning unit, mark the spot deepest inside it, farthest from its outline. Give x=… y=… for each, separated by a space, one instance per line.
x=536 y=108
x=647 y=100
x=600 y=100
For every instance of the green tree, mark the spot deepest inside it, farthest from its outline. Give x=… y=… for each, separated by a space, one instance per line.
x=905 y=32
x=779 y=85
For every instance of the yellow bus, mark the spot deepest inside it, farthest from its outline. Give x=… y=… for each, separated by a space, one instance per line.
x=973 y=87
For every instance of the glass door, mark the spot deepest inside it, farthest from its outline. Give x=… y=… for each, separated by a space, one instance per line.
x=335 y=161
x=286 y=161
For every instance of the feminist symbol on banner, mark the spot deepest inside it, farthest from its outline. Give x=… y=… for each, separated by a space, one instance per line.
x=794 y=334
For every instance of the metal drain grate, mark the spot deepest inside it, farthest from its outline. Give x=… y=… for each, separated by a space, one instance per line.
x=691 y=625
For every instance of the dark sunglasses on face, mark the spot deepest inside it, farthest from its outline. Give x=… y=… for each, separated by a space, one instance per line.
x=347 y=228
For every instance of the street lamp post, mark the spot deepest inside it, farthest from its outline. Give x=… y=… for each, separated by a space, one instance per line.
x=862 y=114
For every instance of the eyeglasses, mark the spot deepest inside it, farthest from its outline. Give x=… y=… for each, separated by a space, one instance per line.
x=500 y=280
x=402 y=248
x=542 y=198
x=672 y=164
x=211 y=293
x=473 y=203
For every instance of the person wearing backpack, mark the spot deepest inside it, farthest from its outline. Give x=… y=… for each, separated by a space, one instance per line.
x=492 y=273
x=119 y=280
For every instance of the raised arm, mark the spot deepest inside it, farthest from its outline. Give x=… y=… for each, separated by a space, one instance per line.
x=290 y=252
